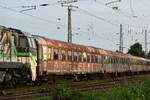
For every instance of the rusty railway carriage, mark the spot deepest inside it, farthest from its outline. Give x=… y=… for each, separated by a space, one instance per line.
x=26 y=57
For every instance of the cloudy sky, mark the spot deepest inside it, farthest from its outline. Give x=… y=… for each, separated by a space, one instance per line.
x=93 y=22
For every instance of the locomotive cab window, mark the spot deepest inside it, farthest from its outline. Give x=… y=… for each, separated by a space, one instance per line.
x=23 y=45
x=23 y=42
x=55 y=54
x=30 y=42
x=33 y=43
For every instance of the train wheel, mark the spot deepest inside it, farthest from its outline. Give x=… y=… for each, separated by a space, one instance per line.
x=10 y=81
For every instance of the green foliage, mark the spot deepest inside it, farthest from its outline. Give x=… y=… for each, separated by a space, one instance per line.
x=131 y=92
x=148 y=55
x=61 y=93
x=136 y=50
x=38 y=98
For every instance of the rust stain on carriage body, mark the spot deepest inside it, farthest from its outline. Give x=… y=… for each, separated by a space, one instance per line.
x=58 y=66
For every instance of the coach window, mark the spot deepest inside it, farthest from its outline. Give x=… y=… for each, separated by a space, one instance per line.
x=128 y=61
x=49 y=54
x=63 y=54
x=133 y=61
x=117 y=60
x=93 y=59
x=99 y=58
x=106 y=59
x=114 y=60
x=75 y=56
x=96 y=58
x=124 y=60
x=120 y=60
x=145 y=62
x=69 y=56
x=55 y=54
x=109 y=60
x=45 y=51
x=103 y=58
x=80 y=57
x=84 y=57
x=88 y=58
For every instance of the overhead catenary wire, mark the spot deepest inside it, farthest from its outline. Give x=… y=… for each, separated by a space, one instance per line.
x=52 y=22
x=84 y=11
x=99 y=2
x=97 y=17
x=93 y=34
x=125 y=14
x=35 y=5
x=35 y=17
x=97 y=36
x=119 y=11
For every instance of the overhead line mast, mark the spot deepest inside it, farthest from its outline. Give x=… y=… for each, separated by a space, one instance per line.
x=65 y=3
x=69 y=25
x=121 y=40
x=146 y=47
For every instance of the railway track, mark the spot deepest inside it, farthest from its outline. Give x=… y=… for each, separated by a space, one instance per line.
x=98 y=86
x=29 y=95
x=106 y=85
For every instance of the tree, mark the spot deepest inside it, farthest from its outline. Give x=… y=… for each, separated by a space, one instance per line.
x=136 y=50
x=148 y=55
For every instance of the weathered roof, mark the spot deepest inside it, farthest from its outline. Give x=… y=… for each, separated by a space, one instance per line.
x=62 y=44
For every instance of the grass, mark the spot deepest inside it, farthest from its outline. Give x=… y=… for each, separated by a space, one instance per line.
x=39 y=98
x=130 y=92
x=138 y=91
